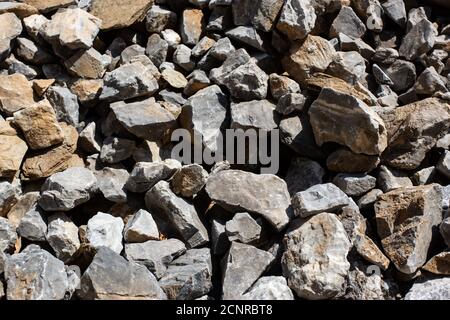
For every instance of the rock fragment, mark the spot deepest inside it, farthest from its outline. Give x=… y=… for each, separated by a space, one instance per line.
x=104 y=230
x=62 y=235
x=140 y=228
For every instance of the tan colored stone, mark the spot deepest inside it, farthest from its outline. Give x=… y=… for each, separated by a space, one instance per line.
x=16 y=93
x=24 y=204
x=370 y=251
x=117 y=14
x=306 y=58
x=174 y=78
x=44 y=163
x=439 y=264
x=22 y=10
x=12 y=150
x=86 y=89
x=10 y=26
x=405 y=218
x=321 y=80
x=49 y=5
x=40 y=86
x=191 y=26
x=39 y=125
x=87 y=64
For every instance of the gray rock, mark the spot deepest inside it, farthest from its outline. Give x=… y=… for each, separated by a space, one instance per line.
x=348 y=23
x=33 y=226
x=445 y=230
x=111 y=277
x=8 y=236
x=356 y=44
x=104 y=230
x=269 y=288
x=65 y=104
x=16 y=66
x=355 y=184
x=302 y=174
x=248 y=36
x=116 y=149
x=180 y=213
x=315 y=261
x=141 y=227
x=297 y=19
x=65 y=190
x=30 y=52
x=128 y=81
x=243 y=228
x=130 y=52
x=205 y=114
x=348 y=66
x=202 y=47
x=238 y=191
x=424 y=176
x=197 y=80
x=62 y=235
x=8 y=197
x=419 y=40
x=430 y=82
x=155 y=255
x=242 y=76
x=34 y=274
x=222 y=49
x=145 y=119
x=89 y=64
x=402 y=74
x=219 y=238
x=159 y=18
x=380 y=76
x=430 y=289
x=282 y=85
x=146 y=174
x=344 y=160
x=389 y=179
x=111 y=183
x=369 y=198
x=189 y=180
x=443 y=165
x=406 y=241
x=319 y=198
x=395 y=9
x=335 y=116
x=183 y=58
x=291 y=102
x=189 y=276
x=88 y=140
x=256 y=114
x=241 y=267
x=157 y=49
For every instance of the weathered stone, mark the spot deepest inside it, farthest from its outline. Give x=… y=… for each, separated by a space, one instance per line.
x=256 y=114
x=159 y=18
x=192 y=25
x=87 y=90
x=32 y=53
x=202 y=47
x=189 y=276
x=413 y=130
x=355 y=184
x=402 y=74
x=24 y=204
x=145 y=119
x=406 y=241
x=72 y=28
x=65 y=190
x=88 y=139
x=111 y=183
x=243 y=228
x=319 y=198
x=241 y=267
x=291 y=102
x=197 y=80
x=8 y=236
x=157 y=49
x=116 y=14
x=269 y=288
x=16 y=93
x=34 y=274
x=65 y=104
x=302 y=174
x=146 y=174
x=439 y=264
x=244 y=192
x=395 y=9
x=222 y=49
x=219 y=238
x=141 y=227
x=181 y=214
x=183 y=58
x=8 y=197
x=344 y=160
x=22 y=10
x=348 y=23
x=62 y=235
x=445 y=230
x=88 y=64
x=46 y=162
x=128 y=81
x=430 y=82
x=49 y=5
x=390 y=179
x=189 y=180
x=369 y=198
x=155 y=255
x=242 y=76
x=111 y=277
x=297 y=19
x=356 y=44
x=430 y=289
x=104 y=230
x=11 y=158
x=419 y=40
x=348 y=66
x=172 y=38
x=116 y=149
x=247 y=35
x=282 y=85
x=315 y=262
x=327 y=115
x=33 y=226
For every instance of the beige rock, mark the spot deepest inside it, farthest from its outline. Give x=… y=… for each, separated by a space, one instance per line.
x=21 y=10
x=174 y=78
x=12 y=150
x=40 y=86
x=370 y=251
x=191 y=26
x=24 y=204
x=16 y=93
x=44 y=163
x=117 y=14
x=439 y=264
x=49 y=5
x=10 y=26
x=39 y=125
x=88 y=64
x=405 y=218
x=306 y=58
x=87 y=90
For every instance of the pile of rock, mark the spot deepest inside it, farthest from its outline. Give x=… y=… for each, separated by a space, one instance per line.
x=94 y=206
